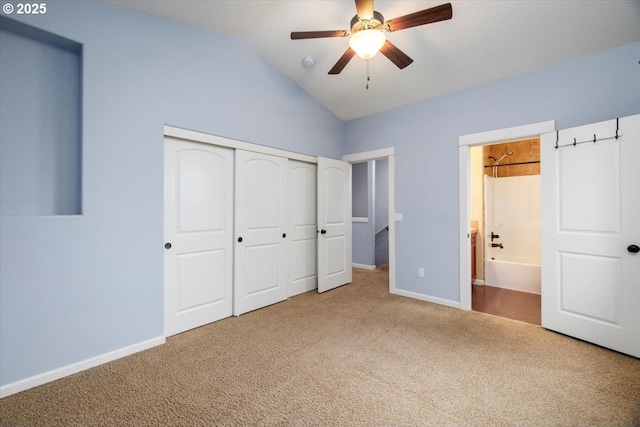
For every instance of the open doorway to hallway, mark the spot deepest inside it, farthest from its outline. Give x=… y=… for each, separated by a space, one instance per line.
x=385 y=160
x=370 y=214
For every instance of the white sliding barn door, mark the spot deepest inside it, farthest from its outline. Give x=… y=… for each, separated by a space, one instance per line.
x=334 y=223
x=590 y=224
x=260 y=231
x=303 y=270
x=198 y=231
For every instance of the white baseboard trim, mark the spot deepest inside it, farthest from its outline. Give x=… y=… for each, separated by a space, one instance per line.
x=364 y=266
x=477 y=282
x=74 y=368
x=435 y=300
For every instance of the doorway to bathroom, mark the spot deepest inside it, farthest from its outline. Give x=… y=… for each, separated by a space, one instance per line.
x=466 y=144
x=505 y=215
x=590 y=264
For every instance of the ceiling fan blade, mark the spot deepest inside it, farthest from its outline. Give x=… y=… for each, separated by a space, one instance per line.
x=427 y=16
x=297 y=35
x=364 y=8
x=343 y=61
x=395 y=55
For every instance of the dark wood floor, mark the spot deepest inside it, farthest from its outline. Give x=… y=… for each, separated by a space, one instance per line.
x=514 y=305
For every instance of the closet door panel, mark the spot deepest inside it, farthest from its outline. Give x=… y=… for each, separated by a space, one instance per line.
x=261 y=244
x=198 y=230
x=303 y=268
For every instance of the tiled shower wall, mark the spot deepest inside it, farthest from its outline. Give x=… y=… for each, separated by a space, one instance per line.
x=523 y=151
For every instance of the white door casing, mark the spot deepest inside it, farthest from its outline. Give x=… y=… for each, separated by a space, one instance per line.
x=261 y=244
x=303 y=276
x=334 y=224
x=389 y=154
x=198 y=226
x=532 y=130
x=590 y=215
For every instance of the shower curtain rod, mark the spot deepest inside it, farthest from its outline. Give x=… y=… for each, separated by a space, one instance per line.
x=513 y=164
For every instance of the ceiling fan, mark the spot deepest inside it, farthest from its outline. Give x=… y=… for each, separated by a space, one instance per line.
x=367 y=33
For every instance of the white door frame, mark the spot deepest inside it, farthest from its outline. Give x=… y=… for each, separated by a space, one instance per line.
x=389 y=154
x=464 y=143
x=191 y=135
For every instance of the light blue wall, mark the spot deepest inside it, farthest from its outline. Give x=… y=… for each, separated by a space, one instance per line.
x=362 y=186
x=425 y=136
x=39 y=127
x=381 y=203
x=363 y=244
x=72 y=288
x=360 y=189
x=371 y=192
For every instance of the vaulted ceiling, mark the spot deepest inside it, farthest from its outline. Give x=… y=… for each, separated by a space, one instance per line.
x=484 y=41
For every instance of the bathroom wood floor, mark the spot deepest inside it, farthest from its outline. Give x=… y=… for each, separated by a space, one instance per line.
x=514 y=305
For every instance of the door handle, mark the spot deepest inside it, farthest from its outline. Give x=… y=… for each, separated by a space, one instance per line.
x=284 y=235
x=240 y=239
x=323 y=231
x=167 y=245
x=634 y=249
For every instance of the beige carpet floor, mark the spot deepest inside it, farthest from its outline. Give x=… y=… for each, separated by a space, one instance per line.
x=354 y=356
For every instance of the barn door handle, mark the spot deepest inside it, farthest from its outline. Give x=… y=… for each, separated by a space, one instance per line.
x=240 y=239
x=634 y=249
x=323 y=231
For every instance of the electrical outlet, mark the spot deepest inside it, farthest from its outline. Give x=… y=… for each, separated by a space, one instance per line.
x=421 y=272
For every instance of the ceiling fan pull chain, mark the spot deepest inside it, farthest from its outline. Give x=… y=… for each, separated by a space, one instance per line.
x=368 y=76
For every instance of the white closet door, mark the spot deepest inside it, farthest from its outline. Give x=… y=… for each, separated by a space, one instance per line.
x=261 y=242
x=198 y=230
x=334 y=221
x=591 y=234
x=303 y=270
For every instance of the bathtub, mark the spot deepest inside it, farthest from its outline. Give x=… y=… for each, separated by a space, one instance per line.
x=513 y=217
x=512 y=274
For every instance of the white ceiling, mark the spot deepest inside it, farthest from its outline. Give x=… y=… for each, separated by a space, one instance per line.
x=486 y=40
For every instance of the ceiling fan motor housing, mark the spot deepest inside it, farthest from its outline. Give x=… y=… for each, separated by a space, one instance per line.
x=375 y=23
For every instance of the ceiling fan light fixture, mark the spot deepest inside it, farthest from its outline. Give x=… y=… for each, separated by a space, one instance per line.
x=367 y=43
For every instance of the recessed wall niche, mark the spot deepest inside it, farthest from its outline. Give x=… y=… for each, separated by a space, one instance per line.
x=40 y=122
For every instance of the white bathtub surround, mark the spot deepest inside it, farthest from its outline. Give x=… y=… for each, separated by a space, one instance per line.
x=513 y=275
x=512 y=211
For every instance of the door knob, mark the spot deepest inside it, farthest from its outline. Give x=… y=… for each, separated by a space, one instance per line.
x=240 y=239
x=634 y=249
x=167 y=245
x=323 y=231
x=284 y=235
